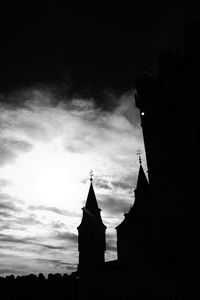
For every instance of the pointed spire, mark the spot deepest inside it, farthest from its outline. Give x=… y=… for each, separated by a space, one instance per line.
x=142 y=189
x=142 y=181
x=91 y=211
x=91 y=202
x=141 y=196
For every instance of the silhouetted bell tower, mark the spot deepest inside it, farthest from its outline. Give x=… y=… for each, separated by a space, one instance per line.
x=91 y=235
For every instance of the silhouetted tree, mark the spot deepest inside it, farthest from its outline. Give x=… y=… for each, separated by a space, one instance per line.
x=33 y=287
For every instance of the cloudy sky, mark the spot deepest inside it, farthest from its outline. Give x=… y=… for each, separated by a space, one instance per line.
x=66 y=107
x=47 y=148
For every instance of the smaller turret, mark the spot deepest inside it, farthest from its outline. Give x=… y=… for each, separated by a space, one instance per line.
x=91 y=234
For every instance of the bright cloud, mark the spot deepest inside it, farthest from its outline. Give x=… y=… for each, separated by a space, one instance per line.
x=47 y=149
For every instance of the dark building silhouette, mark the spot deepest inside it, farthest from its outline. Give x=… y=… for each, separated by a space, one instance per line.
x=158 y=242
x=113 y=279
x=170 y=118
x=132 y=234
x=91 y=235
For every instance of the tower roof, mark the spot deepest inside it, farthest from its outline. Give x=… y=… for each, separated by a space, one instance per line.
x=91 y=211
x=91 y=202
x=142 y=189
x=141 y=196
x=142 y=182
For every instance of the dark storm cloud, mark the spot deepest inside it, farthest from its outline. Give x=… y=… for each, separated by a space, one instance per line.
x=53 y=209
x=20 y=268
x=8 y=203
x=10 y=148
x=12 y=239
x=23 y=98
x=121 y=185
x=112 y=40
x=114 y=205
x=47 y=97
x=111 y=243
x=28 y=241
x=57 y=225
x=7 y=206
x=43 y=246
x=67 y=236
x=51 y=246
x=55 y=262
x=4 y=213
x=102 y=183
x=110 y=246
x=123 y=104
x=13 y=215
x=6 y=271
x=8 y=210
x=28 y=220
x=20 y=125
x=72 y=267
x=32 y=121
x=126 y=183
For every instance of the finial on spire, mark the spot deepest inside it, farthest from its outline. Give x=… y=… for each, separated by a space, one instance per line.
x=139 y=152
x=91 y=175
